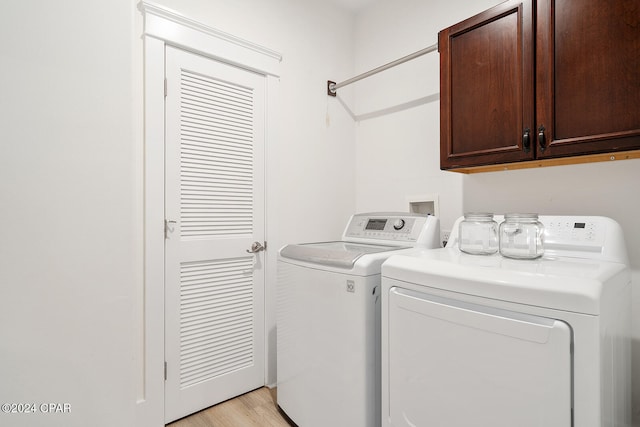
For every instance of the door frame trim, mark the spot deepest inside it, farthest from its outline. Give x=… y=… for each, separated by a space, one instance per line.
x=164 y=27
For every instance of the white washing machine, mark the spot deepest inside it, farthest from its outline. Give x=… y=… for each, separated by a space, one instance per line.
x=328 y=319
x=487 y=341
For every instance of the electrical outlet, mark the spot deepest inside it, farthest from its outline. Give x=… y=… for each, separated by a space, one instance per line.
x=444 y=236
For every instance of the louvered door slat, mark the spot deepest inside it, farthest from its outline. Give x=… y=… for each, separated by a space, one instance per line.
x=224 y=333
x=213 y=110
x=213 y=166
x=201 y=150
x=215 y=95
x=236 y=136
x=235 y=125
x=211 y=161
x=216 y=90
x=208 y=345
x=224 y=296
x=221 y=141
x=225 y=113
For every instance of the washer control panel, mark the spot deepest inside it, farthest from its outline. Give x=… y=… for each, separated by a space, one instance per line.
x=397 y=227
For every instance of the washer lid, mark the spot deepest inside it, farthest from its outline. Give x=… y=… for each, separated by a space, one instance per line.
x=336 y=254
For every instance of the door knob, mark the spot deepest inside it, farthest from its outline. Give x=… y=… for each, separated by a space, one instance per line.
x=257 y=247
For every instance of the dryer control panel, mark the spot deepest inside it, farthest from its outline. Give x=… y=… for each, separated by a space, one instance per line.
x=403 y=229
x=593 y=237
x=587 y=237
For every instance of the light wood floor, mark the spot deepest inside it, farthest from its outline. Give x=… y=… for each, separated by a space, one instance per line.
x=254 y=409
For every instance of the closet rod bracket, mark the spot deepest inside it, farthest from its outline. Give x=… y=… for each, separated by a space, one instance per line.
x=331 y=88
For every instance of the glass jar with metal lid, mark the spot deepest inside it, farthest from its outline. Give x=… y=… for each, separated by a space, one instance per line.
x=521 y=236
x=478 y=234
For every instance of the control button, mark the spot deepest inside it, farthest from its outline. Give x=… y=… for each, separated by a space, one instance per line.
x=398 y=224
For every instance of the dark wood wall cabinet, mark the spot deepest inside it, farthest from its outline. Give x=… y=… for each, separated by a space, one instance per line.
x=531 y=80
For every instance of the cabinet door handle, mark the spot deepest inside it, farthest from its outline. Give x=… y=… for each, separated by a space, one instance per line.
x=541 y=138
x=526 y=141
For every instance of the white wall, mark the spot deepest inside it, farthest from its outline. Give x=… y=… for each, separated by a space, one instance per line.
x=71 y=185
x=69 y=251
x=398 y=152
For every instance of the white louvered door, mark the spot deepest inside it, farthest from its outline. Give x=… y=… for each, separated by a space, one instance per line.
x=214 y=206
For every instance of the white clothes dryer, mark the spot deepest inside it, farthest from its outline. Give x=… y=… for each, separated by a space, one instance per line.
x=328 y=319
x=487 y=341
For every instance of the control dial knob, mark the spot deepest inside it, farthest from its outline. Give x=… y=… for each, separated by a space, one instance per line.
x=398 y=224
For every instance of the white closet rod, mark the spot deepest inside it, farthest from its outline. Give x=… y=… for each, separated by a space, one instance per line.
x=332 y=87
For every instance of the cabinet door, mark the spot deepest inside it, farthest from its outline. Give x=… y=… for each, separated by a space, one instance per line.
x=587 y=76
x=486 y=87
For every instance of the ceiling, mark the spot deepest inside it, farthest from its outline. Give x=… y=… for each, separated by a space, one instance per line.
x=354 y=5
